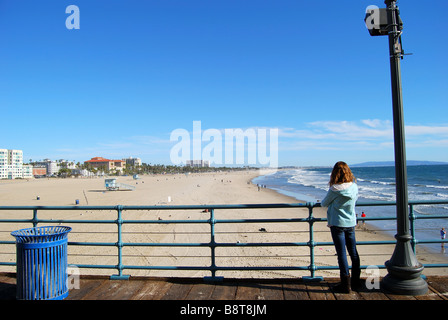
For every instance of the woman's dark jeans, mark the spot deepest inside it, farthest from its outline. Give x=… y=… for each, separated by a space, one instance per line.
x=342 y=238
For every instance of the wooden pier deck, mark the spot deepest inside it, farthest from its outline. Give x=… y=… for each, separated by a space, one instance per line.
x=101 y=288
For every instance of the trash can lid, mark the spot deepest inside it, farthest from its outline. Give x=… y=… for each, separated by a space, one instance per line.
x=41 y=234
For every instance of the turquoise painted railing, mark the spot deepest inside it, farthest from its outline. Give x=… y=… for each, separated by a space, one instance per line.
x=212 y=244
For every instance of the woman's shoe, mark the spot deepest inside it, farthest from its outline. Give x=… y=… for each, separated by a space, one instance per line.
x=344 y=286
x=356 y=284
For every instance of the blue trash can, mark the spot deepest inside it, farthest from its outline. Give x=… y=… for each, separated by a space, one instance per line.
x=42 y=263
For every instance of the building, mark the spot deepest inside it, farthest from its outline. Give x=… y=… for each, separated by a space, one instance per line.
x=39 y=171
x=3 y=163
x=106 y=164
x=198 y=163
x=82 y=173
x=27 y=171
x=11 y=164
x=133 y=162
x=52 y=167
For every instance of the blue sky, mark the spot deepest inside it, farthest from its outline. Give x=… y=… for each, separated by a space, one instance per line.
x=136 y=71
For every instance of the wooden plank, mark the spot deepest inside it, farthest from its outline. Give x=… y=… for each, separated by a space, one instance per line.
x=248 y=291
x=86 y=287
x=319 y=291
x=117 y=290
x=127 y=289
x=440 y=285
x=271 y=291
x=201 y=291
x=328 y=293
x=7 y=287
x=224 y=291
x=109 y=289
x=353 y=295
x=400 y=297
x=430 y=295
x=370 y=294
x=152 y=290
x=295 y=291
x=8 y=278
x=316 y=292
x=373 y=294
x=178 y=291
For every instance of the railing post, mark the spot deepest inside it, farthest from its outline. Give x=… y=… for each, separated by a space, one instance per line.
x=412 y=227
x=119 y=244
x=35 y=219
x=311 y=244
x=212 y=222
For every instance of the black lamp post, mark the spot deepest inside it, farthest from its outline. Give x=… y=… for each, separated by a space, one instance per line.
x=403 y=268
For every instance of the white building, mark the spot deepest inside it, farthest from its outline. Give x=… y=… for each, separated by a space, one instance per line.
x=198 y=163
x=11 y=164
x=133 y=162
x=27 y=171
x=82 y=173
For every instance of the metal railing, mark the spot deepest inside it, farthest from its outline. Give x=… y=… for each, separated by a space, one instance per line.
x=212 y=244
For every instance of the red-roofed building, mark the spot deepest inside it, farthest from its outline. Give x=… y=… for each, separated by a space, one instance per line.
x=106 y=164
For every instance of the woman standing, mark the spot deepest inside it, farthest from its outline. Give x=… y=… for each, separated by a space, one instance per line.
x=340 y=200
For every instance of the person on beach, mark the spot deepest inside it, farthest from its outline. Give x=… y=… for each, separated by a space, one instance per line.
x=443 y=235
x=341 y=216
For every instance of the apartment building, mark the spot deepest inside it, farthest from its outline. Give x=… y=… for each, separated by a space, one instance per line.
x=27 y=171
x=133 y=162
x=198 y=163
x=11 y=164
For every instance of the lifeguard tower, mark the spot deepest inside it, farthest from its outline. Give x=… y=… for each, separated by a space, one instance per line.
x=113 y=185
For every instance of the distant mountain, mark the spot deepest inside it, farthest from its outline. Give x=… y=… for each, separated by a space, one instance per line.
x=392 y=163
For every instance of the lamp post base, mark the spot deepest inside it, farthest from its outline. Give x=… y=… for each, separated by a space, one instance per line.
x=404 y=280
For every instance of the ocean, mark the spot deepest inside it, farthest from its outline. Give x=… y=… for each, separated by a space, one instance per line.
x=425 y=182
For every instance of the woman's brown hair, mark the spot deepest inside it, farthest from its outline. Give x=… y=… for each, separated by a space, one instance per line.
x=341 y=173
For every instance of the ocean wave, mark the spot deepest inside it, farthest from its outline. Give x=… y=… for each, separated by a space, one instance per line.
x=379 y=197
x=423 y=195
x=309 y=179
x=437 y=187
x=375 y=193
x=383 y=183
x=379 y=189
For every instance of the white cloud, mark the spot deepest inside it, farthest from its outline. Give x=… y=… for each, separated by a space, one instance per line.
x=342 y=130
x=372 y=136
x=366 y=134
x=375 y=123
x=427 y=130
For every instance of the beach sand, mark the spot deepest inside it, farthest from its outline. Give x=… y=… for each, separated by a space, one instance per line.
x=194 y=189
